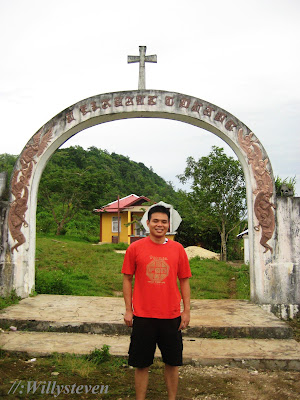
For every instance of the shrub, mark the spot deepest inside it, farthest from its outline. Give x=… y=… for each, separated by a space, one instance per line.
x=99 y=356
x=52 y=282
x=10 y=299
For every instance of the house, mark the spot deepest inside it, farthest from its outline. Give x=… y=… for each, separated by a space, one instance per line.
x=131 y=210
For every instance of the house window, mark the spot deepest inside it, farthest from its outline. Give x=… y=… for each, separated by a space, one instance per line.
x=115 y=224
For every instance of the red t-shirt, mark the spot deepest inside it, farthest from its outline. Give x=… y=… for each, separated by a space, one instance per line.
x=156 y=268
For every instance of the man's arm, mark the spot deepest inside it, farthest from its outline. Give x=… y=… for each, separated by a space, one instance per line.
x=127 y=293
x=186 y=296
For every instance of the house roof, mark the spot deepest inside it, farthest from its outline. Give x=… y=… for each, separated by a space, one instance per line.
x=125 y=202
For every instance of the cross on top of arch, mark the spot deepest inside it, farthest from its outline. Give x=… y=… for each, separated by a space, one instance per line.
x=141 y=59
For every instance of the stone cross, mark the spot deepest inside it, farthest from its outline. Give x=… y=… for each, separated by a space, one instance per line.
x=142 y=58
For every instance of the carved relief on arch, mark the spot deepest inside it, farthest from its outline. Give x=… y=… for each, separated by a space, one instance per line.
x=20 y=184
x=263 y=207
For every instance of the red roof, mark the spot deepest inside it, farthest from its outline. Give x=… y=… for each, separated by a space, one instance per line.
x=130 y=200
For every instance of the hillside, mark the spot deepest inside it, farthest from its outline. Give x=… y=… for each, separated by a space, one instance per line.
x=65 y=266
x=76 y=181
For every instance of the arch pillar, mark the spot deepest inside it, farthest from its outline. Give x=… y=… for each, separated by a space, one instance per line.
x=263 y=237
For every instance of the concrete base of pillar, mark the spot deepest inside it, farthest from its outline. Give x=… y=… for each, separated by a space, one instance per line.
x=283 y=311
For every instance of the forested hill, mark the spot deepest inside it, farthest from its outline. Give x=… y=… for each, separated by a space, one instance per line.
x=75 y=181
x=102 y=176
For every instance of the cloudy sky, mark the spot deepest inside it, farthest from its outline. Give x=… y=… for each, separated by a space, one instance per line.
x=241 y=55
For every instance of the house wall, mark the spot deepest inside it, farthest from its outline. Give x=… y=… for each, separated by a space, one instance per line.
x=171 y=237
x=246 y=249
x=107 y=227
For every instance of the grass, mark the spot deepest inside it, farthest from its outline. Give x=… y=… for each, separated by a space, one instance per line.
x=84 y=365
x=66 y=266
x=243 y=282
x=218 y=280
x=12 y=298
x=99 y=356
x=71 y=267
x=67 y=370
x=115 y=376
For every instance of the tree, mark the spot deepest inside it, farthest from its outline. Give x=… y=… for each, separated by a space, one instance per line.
x=7 y=162
x=75 y=181
x=218 y=196
x=62 y=193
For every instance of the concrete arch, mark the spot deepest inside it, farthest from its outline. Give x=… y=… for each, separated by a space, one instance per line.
x=20 y=251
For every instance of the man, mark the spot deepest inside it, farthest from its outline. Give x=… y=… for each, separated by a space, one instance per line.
x=154 y=309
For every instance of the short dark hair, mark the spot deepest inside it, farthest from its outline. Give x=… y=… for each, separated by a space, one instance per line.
x=160 y=209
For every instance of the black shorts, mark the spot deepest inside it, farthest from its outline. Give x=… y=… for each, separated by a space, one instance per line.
x=146 y=333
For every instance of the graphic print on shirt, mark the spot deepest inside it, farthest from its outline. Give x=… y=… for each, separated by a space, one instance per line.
x=157 y=270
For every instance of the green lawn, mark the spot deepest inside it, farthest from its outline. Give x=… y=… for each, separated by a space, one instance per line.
x=65 y=266
x=218 y=280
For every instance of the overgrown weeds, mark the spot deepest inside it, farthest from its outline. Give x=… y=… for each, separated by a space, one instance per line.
x=10 y=299
x=71 y=364
x=99 y=356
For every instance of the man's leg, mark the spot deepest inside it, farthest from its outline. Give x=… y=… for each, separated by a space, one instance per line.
x=171 y=378
x=141 y=382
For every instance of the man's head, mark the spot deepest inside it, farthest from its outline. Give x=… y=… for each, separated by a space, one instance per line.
x=158 y=223
x=160 y=209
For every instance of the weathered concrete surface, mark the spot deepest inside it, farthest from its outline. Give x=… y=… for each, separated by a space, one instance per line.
x=282 y=275
x=257 y=353
x=83 y=314
x=6 y=273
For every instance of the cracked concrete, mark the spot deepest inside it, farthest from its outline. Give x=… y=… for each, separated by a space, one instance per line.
x=230 y=318
x=256 y=353
x=250 y=336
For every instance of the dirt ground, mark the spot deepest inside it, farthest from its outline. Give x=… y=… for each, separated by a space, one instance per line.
x=210 y=383
x=194 y=251
x=213 y=383
x=195 y=383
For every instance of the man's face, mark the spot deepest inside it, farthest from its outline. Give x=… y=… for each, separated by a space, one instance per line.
x=158 y=224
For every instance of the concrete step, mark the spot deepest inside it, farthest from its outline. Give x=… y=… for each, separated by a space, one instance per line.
x=247 y=353
x=104 y=315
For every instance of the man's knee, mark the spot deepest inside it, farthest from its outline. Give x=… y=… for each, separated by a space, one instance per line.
x=142 y=369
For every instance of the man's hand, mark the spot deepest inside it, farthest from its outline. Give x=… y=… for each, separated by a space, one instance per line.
x=185 y=320
x=186 y=294
x=128 y=318
x=127 y=293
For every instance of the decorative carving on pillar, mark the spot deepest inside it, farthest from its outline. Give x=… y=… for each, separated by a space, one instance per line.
x=263 y=207
x=20 y=183
x=266 y=220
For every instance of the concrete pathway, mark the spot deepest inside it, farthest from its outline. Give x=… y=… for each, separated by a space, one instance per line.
x=256 y=353
x=75 y=324
x=83 y=314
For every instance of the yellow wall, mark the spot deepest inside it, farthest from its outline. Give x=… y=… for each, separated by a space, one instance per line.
x=107 y=227
x=171 y=237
